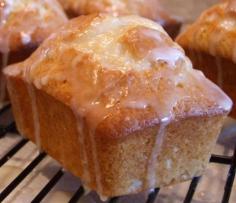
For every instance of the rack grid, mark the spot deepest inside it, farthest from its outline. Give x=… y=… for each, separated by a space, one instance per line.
x=11 y=128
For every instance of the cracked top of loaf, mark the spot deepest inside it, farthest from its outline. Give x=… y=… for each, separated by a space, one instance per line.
x=120 y=74
x=27 y=22
x=214 y=32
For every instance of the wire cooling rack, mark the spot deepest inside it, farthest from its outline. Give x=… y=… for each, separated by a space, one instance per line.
x=10 y=127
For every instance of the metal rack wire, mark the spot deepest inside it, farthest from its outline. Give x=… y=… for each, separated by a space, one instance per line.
x=11 y=127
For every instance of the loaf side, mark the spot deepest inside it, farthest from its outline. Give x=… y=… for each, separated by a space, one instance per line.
x=123 y=164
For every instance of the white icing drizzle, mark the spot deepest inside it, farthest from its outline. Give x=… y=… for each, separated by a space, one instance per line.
x=151 y=170
x=137 y=104
x=168 y=164
x=97 y=166
x=164 y=52
x=34 y=105
x=80 y=123
x=25 y=38
x=170 y=55
x=35 y=114
x=87 y=190
x=136 y=185
x=84 y=156
x=107 y=76
x=95 y=104
x=2 y=79
x=103 y=198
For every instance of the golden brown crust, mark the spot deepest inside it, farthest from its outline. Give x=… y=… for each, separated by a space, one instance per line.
x=24 y=24
x=210 y=44
x=147 y=8
x=214 y=32
x=27 y=23
x=151 y=9
x=124 y=160
x=106 y=96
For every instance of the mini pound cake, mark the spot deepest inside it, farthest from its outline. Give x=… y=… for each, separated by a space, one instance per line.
x=24 y=24
x=118 y=104
x=151 y=9
x=210 y=44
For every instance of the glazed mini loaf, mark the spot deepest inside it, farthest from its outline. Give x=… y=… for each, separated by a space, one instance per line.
x=118 y=104
x=24 y=24
x=151 y=9
x=210 y=44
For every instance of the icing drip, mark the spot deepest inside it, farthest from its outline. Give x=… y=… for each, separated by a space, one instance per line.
x=2 y=80
x=151 y=171
x=80 y=123
x=35 y=114
x=84 y=156
x=34 y=106
x=167 y=54
x=81 y=113
x=164 y=50
x=25 y=38
x=96 y=162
